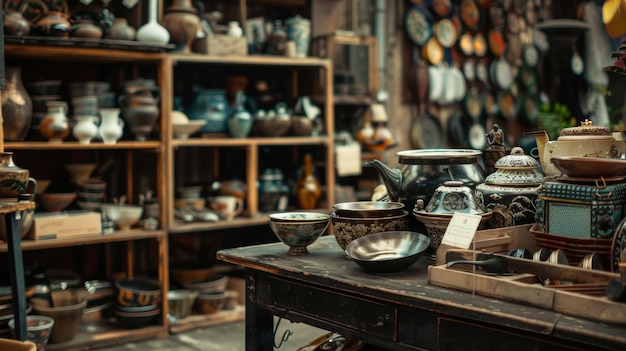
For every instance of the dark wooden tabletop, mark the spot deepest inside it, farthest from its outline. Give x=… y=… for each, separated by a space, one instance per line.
x=327 y=265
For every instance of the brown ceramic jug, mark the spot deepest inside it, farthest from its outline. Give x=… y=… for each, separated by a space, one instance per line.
x=183 y=24
x=308 y=189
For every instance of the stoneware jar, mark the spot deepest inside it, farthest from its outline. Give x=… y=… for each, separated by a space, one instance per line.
x=121 y=30
x=13 y=179
x=183 y=23
x=512 y=188
x=17 y=106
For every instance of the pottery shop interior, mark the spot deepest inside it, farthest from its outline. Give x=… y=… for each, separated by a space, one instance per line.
x=313 y=175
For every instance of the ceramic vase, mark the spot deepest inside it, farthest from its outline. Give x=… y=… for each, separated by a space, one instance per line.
x=15 y=23
x=55 y=127
x=17 y=106
x=54 y=24
x=234 y=30
x=85 y=129
x=308 y=188
x=183 y=24
x=121 y=30
x=13 y=179
x=240 y=121
x=86 y=29
x=112 y=127
x=153 y=32
x=209 y=105
x=299 y=31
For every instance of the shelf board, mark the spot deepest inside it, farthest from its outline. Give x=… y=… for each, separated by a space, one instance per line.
x=70 y=53
x=209 y=226
x=126 y=235
x=107 y=334
x=254 y=60
x=221 y=142
x=209 y=320
x=74 y=145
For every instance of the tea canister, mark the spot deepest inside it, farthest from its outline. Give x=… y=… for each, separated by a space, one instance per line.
x=512 y=188
x=586 y=210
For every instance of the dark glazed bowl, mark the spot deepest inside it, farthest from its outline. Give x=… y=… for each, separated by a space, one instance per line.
x=136 y=292
x=368 y=209
x=388 y=252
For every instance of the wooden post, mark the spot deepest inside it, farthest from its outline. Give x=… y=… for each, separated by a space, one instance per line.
x=1 y=130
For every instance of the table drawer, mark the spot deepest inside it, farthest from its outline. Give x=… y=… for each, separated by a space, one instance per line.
x=375 y=318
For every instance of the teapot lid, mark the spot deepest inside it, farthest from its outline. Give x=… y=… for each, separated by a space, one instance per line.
x=585 y=130
x=515 y=169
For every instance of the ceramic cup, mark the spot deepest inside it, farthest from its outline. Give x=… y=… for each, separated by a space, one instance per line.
x=226 y=206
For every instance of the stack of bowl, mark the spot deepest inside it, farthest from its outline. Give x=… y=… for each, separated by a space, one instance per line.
x=90 y=193
x=41 y=92
x=352 y=220
x=66 y=311
x=137 y=303
x=212 y=293
x=180 y=303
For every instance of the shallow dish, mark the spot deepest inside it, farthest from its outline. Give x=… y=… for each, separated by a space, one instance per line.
x=387 y=252
x=589 y=167
x=298 y=217
x=184 y=130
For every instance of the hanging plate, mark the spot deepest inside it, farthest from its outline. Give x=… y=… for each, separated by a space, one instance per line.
x=441 y=7
x=503 y=74
x=469 y=70
x=472 y=104
x=530 y=55
x=456 y=129
x=496 y=43
x=490 y=106
x=476 y=136
x=481 y=72
x=436 y=79
x=433 y=52
x=427 y=132
x=446 y=33
x=496 y=16
x=466 y=44
x=529 y=108
x=506 y=102
x=418 y=25
x=470 y=14
x=480 y=45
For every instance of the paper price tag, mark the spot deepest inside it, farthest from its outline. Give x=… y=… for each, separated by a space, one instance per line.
x=461 y=230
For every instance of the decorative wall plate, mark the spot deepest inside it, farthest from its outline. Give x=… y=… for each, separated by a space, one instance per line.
x=466 y=44
x=418 y=25
x=480 y=45
x=446 y=33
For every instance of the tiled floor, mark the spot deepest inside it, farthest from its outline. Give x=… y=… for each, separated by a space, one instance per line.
x=227 y=337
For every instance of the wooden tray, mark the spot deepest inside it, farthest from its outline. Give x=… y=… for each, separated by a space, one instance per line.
x=521 y=288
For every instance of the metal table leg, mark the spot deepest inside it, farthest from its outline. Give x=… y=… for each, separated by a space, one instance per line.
x=16 y=268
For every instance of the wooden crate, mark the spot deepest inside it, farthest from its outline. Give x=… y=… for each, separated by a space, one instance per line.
x=225 y=45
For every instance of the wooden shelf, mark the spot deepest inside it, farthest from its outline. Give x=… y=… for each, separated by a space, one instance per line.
x=202 y=321
x=92 y=336
x=210 y=226
x=234 y=142
x=74 y=145
x=68 y=53
x=251 y=60
x=126 y=235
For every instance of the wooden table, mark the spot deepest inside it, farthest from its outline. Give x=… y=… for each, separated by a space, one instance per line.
x=397 y=311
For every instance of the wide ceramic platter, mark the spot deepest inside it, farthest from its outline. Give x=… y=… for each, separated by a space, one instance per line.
x=589 y=167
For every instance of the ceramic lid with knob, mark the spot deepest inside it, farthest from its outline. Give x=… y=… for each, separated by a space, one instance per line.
x=516 y=169
x=586 y=130
x=453 y=197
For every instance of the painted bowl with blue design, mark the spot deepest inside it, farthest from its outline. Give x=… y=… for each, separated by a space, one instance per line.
x=298 y=229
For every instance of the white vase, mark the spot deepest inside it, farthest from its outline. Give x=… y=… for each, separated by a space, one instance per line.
x=152 y=31
x=234 y=30
x=112 y=126
x=85 y=129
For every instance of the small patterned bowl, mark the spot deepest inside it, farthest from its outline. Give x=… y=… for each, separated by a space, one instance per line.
x=347 y=229
x=298 y=229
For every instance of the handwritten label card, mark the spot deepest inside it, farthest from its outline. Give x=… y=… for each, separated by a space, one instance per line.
x=461 y=230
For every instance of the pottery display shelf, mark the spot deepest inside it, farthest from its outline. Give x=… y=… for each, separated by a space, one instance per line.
x=131 y=45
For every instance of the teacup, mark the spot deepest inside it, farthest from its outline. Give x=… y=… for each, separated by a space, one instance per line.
x=226 y=206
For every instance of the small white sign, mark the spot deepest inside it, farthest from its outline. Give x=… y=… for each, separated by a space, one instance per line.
x=461 y=230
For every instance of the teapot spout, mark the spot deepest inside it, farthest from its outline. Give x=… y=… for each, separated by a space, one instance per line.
x=392 y=178
x=541 y=138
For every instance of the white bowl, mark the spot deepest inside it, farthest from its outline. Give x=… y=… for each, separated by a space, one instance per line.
x=124 y=216
x=184 y=130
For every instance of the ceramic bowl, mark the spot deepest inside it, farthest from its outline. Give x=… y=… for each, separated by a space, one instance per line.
x=55 y=202
x=184 y=130
x=212 y=284
x=298 y=233
x=92 y=185
x=124 y=216
x=80 y=171
x=183 y=273
x=347 y=229
x=301 y=126
x=210 y=303
x=589 y=167
x=387 y=252
x=180 y=302
x=135 y=320
x=67 y=313
x=368 y=209
x=137 y=292
x=270 y=127
x=38 y=329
